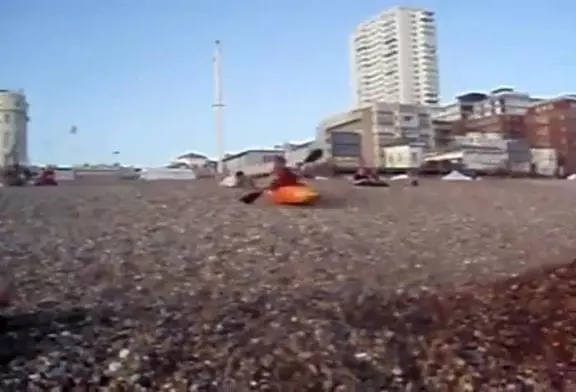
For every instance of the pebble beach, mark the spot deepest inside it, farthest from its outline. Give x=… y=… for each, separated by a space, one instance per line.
x=176 y=286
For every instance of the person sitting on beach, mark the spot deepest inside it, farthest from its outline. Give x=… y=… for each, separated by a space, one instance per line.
x=368 y=177
x=362 y=174
x=47 y=178
x=243 y=181
x=373 y=174
x=282 y=175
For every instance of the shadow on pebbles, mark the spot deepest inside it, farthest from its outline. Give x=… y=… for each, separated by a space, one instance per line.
x=164 y=286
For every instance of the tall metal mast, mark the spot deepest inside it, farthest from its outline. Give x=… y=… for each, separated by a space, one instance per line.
x=218 y=106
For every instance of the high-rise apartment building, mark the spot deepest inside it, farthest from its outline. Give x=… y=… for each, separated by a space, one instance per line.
x=394 y=58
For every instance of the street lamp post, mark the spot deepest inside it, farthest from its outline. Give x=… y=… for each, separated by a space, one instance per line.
x=116 y=154
x=218 y=106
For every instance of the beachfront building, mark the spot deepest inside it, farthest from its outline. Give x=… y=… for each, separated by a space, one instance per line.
x=13 y=128
x=394 y=58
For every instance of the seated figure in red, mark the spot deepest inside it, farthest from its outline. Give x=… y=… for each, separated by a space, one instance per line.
x=47 y=178
x=283 y=175
x=366 y=174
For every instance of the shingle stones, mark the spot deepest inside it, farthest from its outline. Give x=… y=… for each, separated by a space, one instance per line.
x=171 y=286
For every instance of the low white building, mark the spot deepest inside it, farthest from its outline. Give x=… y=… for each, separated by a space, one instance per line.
x=490 y=151
x=489 y=155
x=402 y=156
x=484 y=158
x=249 y=160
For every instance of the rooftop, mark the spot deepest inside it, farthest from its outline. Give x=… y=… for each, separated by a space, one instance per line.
x=240 y=154
x=566 y=97
x=15 y=92
x=192 y=155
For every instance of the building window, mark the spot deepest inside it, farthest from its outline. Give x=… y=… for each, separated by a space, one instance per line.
x=346 y=144
x=268 y=158
x=6 y=118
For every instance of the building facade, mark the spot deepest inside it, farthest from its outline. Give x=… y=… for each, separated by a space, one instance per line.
x=13 y=128
x=361 y=136
x=478 y=105
x=551 y=124
x=247 y=159
x=544 y=161
x=394 y=58
x=487 y=153
x=495 y=154
x=346 y=138
x=500 y=111
x=409 y=123
x=402 y=156
x=443 y=135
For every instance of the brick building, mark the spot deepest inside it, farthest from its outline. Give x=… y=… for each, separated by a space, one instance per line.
x=499 y=112
x=551 y=124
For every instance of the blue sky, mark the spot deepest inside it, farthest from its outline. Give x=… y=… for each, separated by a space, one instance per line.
x=136 y=75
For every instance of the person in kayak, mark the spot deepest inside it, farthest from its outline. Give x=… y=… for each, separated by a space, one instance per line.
x=282 y=175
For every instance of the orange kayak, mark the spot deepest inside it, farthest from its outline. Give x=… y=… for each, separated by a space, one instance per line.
x=295 y=195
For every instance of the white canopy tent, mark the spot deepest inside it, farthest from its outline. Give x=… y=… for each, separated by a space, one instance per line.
x=400 y=177
x=455 y=175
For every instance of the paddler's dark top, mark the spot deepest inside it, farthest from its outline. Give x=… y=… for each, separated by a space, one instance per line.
x=284 y=177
